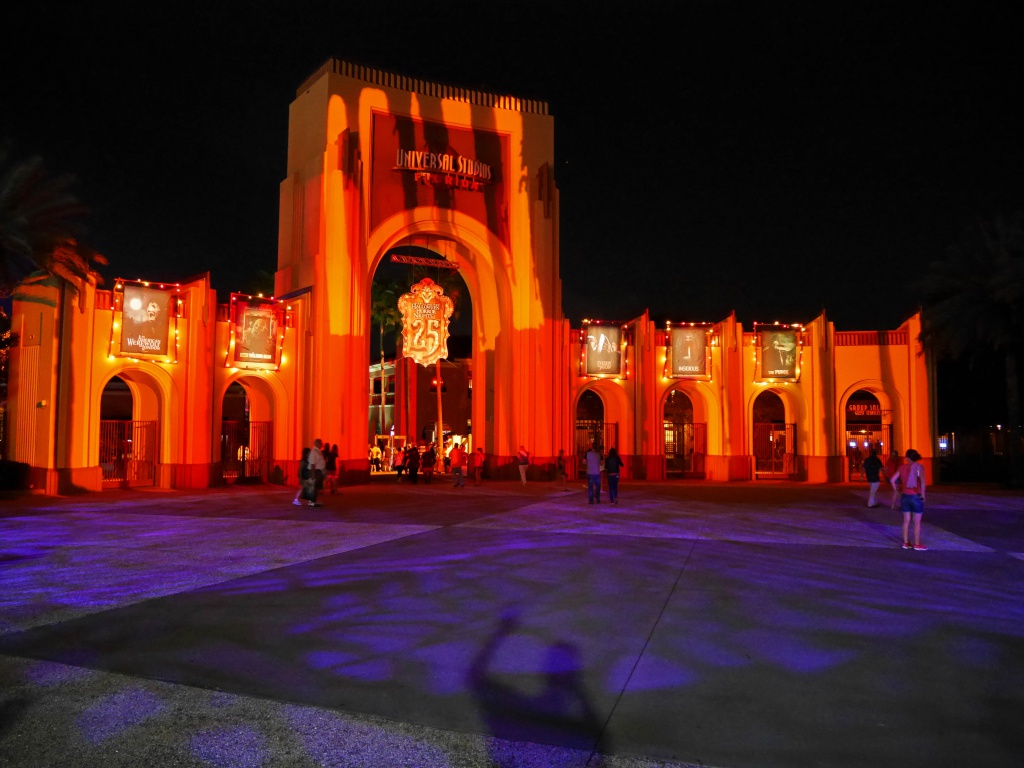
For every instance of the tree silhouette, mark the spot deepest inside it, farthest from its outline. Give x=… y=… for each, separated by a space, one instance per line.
x=41 y=226
x=973 y=303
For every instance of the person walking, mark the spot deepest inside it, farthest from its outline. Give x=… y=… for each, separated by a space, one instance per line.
x=612 y=465
x=911 y=482
x=524 y=463
x=560 y=469
x=892 y=466
x=594 y=475
x=318 y=464
x=307 y=488
x=872 y=470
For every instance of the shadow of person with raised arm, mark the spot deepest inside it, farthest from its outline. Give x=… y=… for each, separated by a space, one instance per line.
x=547 y=706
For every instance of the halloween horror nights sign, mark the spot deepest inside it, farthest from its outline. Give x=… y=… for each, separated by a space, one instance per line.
x=425 y=313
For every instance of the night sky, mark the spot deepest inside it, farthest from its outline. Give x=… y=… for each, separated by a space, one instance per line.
x=772 y=158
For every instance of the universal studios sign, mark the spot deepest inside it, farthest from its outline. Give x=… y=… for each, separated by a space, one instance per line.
x=442 y=169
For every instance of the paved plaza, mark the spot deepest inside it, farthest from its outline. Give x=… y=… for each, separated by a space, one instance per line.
x=745 y=625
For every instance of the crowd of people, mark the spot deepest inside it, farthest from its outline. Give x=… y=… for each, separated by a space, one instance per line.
x=319 y=472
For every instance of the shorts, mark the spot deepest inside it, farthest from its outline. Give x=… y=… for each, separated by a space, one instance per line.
x=911 y=502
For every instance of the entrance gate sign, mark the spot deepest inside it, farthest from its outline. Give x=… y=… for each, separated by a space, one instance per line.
x=425 y=313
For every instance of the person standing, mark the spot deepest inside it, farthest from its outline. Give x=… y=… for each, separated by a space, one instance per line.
x=428 y=462
x=331 y=458
x=872 y=470
x=412 y=461
x=399 y=463
x=375 y=458
x=458 y=463
x=612 y=466
x=478 y=466
x=910 y=478
x=892 y=466
x=524 y=463
x=594 y=475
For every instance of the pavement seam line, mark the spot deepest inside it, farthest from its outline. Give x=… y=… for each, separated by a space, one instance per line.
x=654 y=625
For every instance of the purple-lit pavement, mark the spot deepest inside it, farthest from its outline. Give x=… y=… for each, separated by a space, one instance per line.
x=753 y=625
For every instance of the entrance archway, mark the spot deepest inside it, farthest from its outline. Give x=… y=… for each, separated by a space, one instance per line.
x=128 y=444
x=591 y=427
x=685 y=441
x=774 y=441
x=247 y=431
x=868 y=428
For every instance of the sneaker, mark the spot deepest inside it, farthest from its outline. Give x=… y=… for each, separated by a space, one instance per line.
x=296 y=503
x=920 y=547
x=315 y=504
x=906 y=545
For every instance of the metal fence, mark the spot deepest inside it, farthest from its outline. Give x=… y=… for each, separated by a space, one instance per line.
x=245 y=448
x=128 y=453
x=686 y=448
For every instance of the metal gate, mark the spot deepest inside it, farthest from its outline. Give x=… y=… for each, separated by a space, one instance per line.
x=774 y=449
x=128 y=453
x=686 y=447
x=589 y=431
x=245 y=448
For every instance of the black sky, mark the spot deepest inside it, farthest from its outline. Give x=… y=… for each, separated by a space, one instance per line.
x=772 y=158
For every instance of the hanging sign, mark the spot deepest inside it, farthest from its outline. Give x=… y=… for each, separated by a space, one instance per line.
x=148 y=316
x=688 y=353
x=603 y=350
x=425 y=313
x=779 y=354
x=257 y=332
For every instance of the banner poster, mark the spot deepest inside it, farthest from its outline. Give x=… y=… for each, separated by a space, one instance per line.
x=603 y=350
x=688 y=353
x=146 y=320
x=425 y=313
x=779 y=354
x=256 y=323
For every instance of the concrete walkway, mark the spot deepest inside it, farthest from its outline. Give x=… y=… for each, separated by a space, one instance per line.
x=753 y=625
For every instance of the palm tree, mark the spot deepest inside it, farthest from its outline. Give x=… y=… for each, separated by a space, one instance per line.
x=974 y=303
x=384 y=311
x=40 y=227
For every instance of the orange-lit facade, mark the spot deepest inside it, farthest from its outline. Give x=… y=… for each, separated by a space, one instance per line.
x=378 y=161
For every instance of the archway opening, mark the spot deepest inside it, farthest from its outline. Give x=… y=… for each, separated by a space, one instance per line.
x=774 y=441
x=867 y=428
x=407 y=401
x=128 y=445
x=246 y=436
x=591 y=427
x=685 y=441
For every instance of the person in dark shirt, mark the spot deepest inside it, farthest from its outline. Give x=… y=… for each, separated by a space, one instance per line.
x=872 y=473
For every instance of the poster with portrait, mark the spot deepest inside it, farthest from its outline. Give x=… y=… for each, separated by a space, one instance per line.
x=688 y=353
x=256 y=323
x=779 y=354
x=146 y=315
x=602 y=350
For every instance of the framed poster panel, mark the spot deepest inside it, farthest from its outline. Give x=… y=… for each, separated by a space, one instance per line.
x=602 y=350
x=256 y=330
x=148 y=318
x=778 y=355
x=689 y=353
